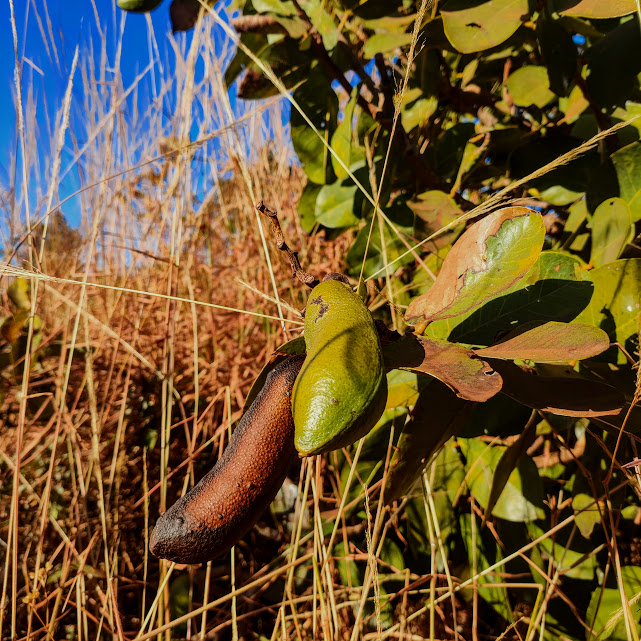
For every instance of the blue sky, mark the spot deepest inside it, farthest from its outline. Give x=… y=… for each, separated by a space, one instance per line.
x=47 y=66
x=72 y=23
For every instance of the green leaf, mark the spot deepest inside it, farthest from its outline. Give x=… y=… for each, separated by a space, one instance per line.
x=564 y=184
x=279 y=7
x=509 y=461
x=307 y=206
x=402 y=389
x=616 y=303
x=447 y=151
x=379 y=253
x=12 y=327
x=335 y=205
x=473 y=26
x=550 y=342
x=322 y=21
x=627 y=163
x=180 y=597
x=588 y=513
x=575 y=562
x=384 y=42
x=529 y=85
x=557 y=288
x=522 y=496
x=419 y=112
x=342 y=140
x=318 y=100
x=436 y=208
x=606 y=609
x=574 y=105
x=287 y=62
x=612 y=230
x=489 y=258
x=390 y=23
x=595 y=8
x=255 y=42
x=435 y=417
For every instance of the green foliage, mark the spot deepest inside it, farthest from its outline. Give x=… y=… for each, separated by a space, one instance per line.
x=489 y=92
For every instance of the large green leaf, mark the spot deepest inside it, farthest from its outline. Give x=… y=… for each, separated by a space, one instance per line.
x=437 y=209
x=322 y=21
x=384 y=42
x=616 y=303
x=280 y=7
x=473 y=26
x=556 y=289
x=307 y=206
x=595 y=8
x=575 y=562
x=335 y=205
x=402 y=389
x=489 y=258
x=522 y=496
x=19 y=294
x=612 y=230
x=606 y=609
x=588 y=513
x=627 y=163
x=342 y=140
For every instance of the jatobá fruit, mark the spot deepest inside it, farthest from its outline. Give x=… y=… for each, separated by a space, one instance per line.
x=341 y=390
x=138 y=6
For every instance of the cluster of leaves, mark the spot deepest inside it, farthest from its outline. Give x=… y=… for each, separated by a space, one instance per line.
x=403 y=121
x=14 y=330
x=495 y=91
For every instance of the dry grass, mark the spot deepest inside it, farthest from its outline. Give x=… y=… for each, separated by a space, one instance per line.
x=135 y=384
x=144 y=364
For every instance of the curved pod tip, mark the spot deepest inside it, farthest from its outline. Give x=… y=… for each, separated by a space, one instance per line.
x=215 y=514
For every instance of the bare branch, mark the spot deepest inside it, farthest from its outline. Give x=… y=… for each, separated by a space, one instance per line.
x=297 y=270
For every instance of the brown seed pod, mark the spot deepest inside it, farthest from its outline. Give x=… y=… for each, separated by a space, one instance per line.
x=215 y=514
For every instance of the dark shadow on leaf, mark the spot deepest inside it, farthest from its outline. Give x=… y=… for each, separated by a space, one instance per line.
x=546 y=300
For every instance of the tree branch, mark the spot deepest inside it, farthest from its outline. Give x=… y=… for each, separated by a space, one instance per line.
x=257 y=24
x=297 y=270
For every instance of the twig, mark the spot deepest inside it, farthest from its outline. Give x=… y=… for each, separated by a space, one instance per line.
x=257 y=24
x=297 y=270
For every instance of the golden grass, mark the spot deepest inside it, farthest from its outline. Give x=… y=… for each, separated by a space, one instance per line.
x=144 y=365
